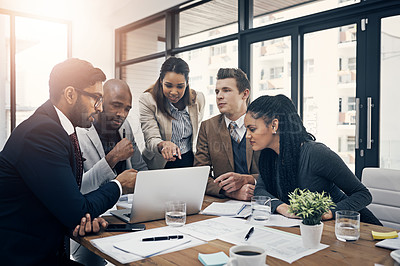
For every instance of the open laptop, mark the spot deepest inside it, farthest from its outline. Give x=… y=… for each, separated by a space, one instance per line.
x=155 y=187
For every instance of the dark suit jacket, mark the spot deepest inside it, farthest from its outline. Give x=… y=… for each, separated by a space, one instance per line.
x=39 y=197
x=214 y=148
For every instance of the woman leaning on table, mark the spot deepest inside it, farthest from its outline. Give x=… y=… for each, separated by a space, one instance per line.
x=291 y=158
x=170 y=113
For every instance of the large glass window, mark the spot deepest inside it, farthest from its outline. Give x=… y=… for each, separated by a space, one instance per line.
x=140 y=77
x=271 y=67
x=4 y=79
x=208 y=21
x=204 y=64
x=390 y=94
x=268 y=12
x=39 y=46
x=207 y=35
x=143 y=41
x=330 y=89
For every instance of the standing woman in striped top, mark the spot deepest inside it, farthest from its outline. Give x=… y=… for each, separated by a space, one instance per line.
x=170 y=113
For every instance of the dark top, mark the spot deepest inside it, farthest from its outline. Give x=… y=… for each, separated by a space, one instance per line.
x=109 y=138
x=239 y=156
x=321 y=169
x=39 y=198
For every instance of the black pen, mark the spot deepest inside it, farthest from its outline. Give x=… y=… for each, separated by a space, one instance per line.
x=249 y=234
x=160 y=238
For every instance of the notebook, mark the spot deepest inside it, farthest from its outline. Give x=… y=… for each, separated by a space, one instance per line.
x=155 y=187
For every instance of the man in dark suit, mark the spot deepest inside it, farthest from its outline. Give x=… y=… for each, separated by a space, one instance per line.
x=41 y=171
x=225 y=147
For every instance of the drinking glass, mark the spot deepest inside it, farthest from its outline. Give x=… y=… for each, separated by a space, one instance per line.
x=260 y=208
x=347 y=225
x=175 y=213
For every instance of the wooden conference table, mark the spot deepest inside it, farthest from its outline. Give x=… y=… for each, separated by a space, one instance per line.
x=362 y=252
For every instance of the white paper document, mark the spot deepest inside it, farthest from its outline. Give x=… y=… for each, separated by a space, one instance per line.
x=277 y=220
x=127 y=248
x=211 y=229
x=278 y=244
x=150 y=248
x=393 y=243
x=234 y=209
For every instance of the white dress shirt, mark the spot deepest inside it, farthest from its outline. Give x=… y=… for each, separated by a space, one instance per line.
x=69 y=128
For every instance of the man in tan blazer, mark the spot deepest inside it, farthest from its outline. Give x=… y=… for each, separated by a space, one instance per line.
x=224 y=147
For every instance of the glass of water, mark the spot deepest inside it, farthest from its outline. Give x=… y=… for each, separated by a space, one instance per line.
x=175 y=213
x=347 y=225
x=260 y=208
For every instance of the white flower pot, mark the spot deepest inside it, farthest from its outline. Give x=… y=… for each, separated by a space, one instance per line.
x=311 y=234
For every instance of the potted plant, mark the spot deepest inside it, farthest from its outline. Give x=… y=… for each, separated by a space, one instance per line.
x=310 y=206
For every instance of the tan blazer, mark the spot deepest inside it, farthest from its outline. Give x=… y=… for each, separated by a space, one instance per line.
x=214 y=148
x=157 y=127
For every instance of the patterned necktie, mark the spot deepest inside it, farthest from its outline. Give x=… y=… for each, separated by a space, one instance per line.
x=78 y=158
x=232 y=131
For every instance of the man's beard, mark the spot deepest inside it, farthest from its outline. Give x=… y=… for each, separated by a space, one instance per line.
x=80 y=115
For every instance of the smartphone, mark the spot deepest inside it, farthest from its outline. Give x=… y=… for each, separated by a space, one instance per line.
x=125 y=227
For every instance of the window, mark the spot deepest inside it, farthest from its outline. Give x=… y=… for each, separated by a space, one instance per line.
x=39 y=44
x=269 y=58
x=206 y=65
x=143 y=41
x=208 y=21
x=351 y=104
x=351 y=143
x=326 y=118
x=269 y=46
x=351 y=63
x=389 y=139
x=275 y=72
x=309 y=66
x=140 y=77
x=5 y=114
x=268 y=12
x=218 y=50
x=347 y=34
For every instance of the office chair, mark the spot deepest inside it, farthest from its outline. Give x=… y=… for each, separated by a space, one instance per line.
x=384 y=185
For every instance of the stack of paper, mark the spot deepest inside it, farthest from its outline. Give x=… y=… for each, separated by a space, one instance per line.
x=234 y=209
x=214 y=259
x=129 y=247
x=150 y=248
x=211 y=229
x=393 y=243
x=278 y=244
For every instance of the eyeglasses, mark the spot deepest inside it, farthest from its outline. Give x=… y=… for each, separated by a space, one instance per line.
x=99 y=99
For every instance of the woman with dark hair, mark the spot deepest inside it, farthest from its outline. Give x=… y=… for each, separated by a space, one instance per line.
x=170 y=113
x=290 y=158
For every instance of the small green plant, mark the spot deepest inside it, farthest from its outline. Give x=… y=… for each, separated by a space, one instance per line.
x=310 y=206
